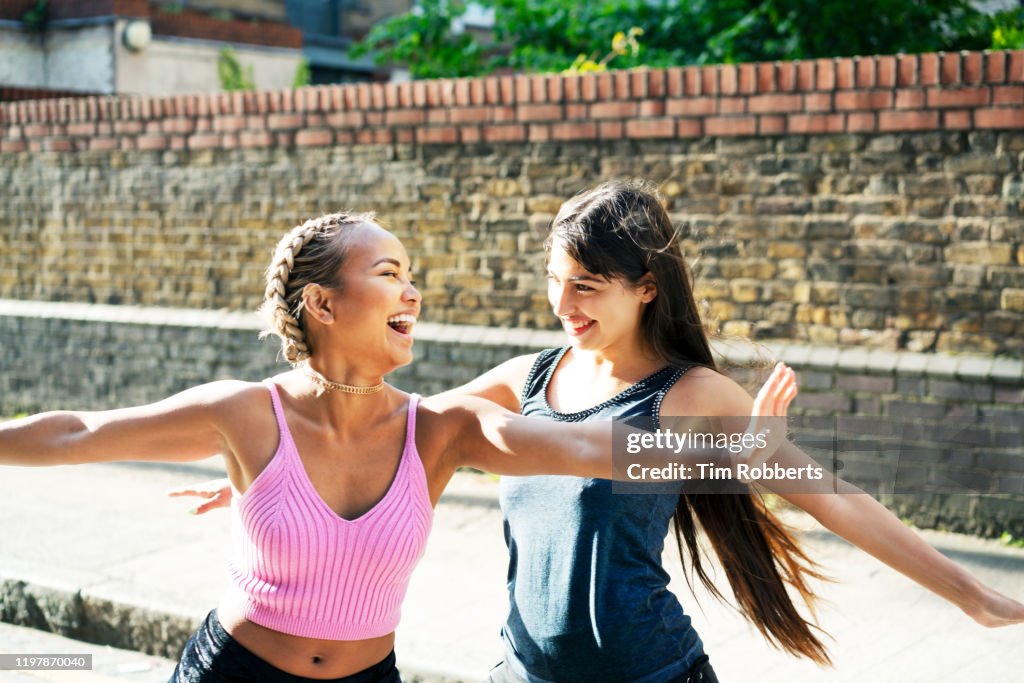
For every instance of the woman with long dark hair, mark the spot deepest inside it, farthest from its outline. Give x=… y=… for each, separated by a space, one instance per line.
x=589 y=598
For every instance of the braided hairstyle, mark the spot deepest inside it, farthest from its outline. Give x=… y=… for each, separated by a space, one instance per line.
x=311 y=253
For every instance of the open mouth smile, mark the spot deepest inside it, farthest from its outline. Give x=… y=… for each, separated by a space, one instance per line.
x=577 y=327
x=402 y=324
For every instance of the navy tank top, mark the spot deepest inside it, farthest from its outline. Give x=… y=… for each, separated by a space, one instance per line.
x=589 y=598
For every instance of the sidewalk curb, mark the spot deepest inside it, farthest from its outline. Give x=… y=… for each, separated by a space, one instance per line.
x=81 y=616
x=78 y=614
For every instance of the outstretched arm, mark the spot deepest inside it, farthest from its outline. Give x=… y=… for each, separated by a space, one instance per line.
x=186 y=426
x=866 y=523
x=855 y=516
x=852 y=514
x=489 y=438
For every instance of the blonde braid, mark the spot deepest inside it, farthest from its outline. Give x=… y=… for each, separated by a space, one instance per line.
x=293 y=338
x=318 y=263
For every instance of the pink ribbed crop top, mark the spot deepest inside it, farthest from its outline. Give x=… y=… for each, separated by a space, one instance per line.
x=299 y=568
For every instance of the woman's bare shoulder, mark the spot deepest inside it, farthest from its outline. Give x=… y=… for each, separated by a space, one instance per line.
x=236 y=399
x=704 y=391
x=502 y=384
x=245 y=416
x=449 y=408
x=450 y=415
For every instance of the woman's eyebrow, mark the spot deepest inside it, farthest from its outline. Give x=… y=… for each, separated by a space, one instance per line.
x=579 y=278
x=387 y=259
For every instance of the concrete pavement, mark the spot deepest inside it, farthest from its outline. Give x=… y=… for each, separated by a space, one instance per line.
x=99 y=552
x=109 y=665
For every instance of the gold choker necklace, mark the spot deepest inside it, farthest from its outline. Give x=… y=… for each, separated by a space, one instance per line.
x=337 y=386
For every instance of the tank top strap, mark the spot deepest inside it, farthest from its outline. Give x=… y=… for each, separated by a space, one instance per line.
x=662 y=381
x=410 y=423
x=282 y=423
x=411 y=468
x=663 y=386
x=537 y=381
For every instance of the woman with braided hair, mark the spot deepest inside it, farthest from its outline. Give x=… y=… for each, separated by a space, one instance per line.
x=335 y=473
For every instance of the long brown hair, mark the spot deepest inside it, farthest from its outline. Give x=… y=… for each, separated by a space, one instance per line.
x=620 y=230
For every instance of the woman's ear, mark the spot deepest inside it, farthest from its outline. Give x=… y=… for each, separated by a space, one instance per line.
x=317 y=304
x=647 y=288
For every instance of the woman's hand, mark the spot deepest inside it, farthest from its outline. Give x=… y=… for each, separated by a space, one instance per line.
x=216 y=494
x=777 y=393
x=991 y=608
x=768 y=416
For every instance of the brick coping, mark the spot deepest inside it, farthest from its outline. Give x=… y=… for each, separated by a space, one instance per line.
x=740 y=352
x=956 y=91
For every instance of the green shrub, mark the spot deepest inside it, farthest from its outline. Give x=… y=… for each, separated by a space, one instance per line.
x=231 y=73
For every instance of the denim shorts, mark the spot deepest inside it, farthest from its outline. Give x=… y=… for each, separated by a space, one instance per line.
x=212 y=656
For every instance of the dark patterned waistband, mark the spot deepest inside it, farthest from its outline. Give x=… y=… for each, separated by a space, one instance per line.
x=213 y=656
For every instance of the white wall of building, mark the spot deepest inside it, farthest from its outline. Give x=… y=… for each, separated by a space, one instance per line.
x=80 y=58
x=94 y=59
x=22 y=59
x=177 y=66
x=77 y=58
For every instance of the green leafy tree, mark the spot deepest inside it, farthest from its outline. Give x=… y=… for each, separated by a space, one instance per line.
x=424 y=41
x=803 y=29
x=1008 y=30
x=550 y=35
x=622 y=44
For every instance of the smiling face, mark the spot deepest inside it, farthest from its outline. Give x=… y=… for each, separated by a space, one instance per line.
x=621 y=233
x=371 y=314
x=596 y=312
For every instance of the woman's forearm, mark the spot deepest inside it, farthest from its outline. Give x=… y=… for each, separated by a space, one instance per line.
x=866 y=523
x=44 y=439
x=186 y=426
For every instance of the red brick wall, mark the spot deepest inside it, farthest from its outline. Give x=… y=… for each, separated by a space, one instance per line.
x=9 y=94
x=192 y=24
x=73 y=9
x=15 y=9
x=187 y=23
x=930 y=92
x=817 y=206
